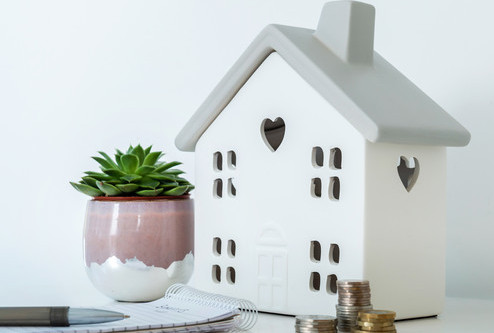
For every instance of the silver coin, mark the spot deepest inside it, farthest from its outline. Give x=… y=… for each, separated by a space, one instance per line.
x=352 y=282
x=349 y=307
x=353 y=287
x=308 y=331
x=315 y=317
x=355 y=303
x=315 y=329
x=300 y=328
x=327 y=325
x=315 y=325
x=346 y=293
x=367 y=307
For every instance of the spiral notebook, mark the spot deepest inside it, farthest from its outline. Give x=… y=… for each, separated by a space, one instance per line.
x=182 y=309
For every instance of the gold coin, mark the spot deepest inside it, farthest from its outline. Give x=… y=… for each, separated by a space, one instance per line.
x=377 y=314
x=376 y=320
x=376 y=325
x=377 y=329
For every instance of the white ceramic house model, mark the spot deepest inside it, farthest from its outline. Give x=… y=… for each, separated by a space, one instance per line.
x=317 y=160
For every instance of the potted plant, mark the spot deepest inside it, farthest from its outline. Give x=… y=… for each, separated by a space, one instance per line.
x=139 y=226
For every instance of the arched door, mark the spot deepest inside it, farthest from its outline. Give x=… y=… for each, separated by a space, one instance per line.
x=272 y=256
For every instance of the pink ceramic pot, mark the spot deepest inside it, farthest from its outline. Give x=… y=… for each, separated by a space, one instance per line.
x=135 y=248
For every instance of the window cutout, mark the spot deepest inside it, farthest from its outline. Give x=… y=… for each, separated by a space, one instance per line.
x=315 y=281
x=331 y=286
x=217 y=246
x=334 y=188
x=232 y=248
x=232 y=191
x=273 y=132
x=315 y=187
x=335 y=158
x=216 y=273
x=317 y=157
x=315 y=251
x=218 y=188
x=232 y=159
x=408 y=170
x=218 y=161
x=230 y=275
x=334 y=254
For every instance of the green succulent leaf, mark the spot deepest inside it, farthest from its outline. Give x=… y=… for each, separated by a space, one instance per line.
x=104 y=163
x=116 y=173
x=127 y=188
x=182 y=181
x=175 y=172
x=148 y=183
x=131 y=178
x=114 y=181
x=97 y=175
x=108 y=189
x=179 y=190
x=150 y=193
x=168 y=186
x=119 y=152
x=167 y=166
x=152 y=158
x=130 y=149
x=158 y=176
x=139 y=152
x=90 y=181
x=130 y=163
x=119 y=163
x=144 y=170
x=108 y=159
x=86 y=189
x=148 y=150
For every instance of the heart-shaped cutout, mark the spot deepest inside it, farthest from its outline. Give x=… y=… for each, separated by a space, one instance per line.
x=408 y=172
x=273 y=132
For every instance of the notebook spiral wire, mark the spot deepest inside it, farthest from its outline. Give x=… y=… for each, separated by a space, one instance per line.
x=247 y=309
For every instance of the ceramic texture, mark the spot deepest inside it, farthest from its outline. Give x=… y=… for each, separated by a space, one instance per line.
x=134 y=250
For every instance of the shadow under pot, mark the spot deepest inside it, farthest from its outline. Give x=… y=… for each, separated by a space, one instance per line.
x=135 y=248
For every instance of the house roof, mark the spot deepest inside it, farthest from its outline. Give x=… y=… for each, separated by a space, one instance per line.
x=339 y=62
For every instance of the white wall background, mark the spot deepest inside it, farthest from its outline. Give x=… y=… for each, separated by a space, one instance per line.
x=81 y=76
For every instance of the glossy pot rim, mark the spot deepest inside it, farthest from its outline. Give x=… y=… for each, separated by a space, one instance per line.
x=157 y=198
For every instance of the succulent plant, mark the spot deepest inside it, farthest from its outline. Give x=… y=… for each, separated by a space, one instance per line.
x=138 y=172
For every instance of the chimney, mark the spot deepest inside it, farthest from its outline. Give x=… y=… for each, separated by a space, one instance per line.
x=347 y=29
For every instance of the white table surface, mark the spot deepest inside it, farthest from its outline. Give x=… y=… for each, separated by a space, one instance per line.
x=460 y=315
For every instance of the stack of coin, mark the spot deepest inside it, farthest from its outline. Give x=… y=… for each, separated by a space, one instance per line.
x=375 y=321
x=353 y=296
x=315 y=323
